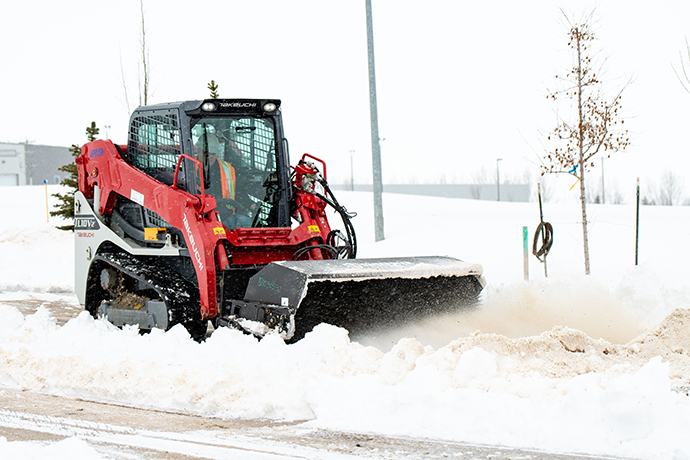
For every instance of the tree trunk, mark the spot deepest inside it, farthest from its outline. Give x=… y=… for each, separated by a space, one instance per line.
x=583 y=204
x=581 y=164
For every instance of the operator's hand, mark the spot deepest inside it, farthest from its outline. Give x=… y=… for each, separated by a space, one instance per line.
x=234 y=205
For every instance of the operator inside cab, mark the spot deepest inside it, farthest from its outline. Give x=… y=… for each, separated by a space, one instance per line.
x=222 y=178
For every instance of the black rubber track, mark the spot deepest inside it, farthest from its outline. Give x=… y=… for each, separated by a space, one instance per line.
x=180 y=296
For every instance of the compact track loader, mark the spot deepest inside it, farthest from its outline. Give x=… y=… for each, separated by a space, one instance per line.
x=201 y=217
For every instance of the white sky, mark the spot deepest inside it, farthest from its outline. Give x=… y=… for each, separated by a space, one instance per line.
x=460 y=84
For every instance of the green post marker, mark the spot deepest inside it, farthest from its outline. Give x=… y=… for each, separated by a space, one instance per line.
x=525 y=251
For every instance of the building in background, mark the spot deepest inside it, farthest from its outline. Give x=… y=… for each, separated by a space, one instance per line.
x=30 y=164
x=43 y=161
x=13 y=164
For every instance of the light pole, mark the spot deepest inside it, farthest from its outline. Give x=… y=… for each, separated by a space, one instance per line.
x=498 y=181
x=375 y=144
x=352 y=171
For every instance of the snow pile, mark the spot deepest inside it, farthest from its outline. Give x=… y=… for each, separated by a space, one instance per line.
x=560 y=390
x=597 y=364
x=34 y=256
x=34 y=246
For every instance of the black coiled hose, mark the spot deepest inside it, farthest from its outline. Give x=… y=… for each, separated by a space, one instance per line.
x=350 y=237
x=326 y=247
x=545 y=231
x=336 y=251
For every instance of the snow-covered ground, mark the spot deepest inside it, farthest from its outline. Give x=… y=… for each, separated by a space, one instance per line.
x=595 y=364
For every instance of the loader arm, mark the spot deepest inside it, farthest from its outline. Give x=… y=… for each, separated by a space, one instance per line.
x=103 y=175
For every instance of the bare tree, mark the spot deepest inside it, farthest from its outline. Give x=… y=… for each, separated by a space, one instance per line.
x=143 y=69
x=478 y=179
x=144 y=76
x=546 y=189
x=670 y=189
x=684 y=74
x=124 y=85
x=593 y=194
x=650 y=194
x=615 y=196
x=594 y=125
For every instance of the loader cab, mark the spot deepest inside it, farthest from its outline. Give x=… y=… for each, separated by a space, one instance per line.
x=241 y=147
x=240 y=144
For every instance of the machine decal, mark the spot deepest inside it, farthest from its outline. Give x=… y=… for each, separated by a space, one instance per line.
x=314 y=229
x=151 y=233
x=86 y=223
x=85 y=234
x=218 y=231
x=238 y=105
x=96 y=153
x=269 y=285
x=192 y=243
x=137 y=197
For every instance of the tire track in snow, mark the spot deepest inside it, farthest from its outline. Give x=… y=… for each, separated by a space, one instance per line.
x=120 y=432
x=194 y=444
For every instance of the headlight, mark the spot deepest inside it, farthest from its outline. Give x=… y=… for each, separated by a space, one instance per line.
x=208 y=106
x=269 y=107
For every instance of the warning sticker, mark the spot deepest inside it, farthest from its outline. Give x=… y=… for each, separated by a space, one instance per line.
x=137 y=197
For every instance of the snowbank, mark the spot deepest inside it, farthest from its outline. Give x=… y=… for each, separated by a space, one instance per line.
x=560 y=390
x=34 y=255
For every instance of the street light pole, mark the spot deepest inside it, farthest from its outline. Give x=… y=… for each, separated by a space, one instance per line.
x=352 y=171
x=498 y=181
x=375 y=145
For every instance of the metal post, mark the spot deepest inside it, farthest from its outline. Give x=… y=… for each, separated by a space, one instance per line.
x=45 y=185
x=637 y=221
x=603 y=188
x=498 y=181
x=525 y=252
x=543 y=230
x=375 y=146
x=352 y=171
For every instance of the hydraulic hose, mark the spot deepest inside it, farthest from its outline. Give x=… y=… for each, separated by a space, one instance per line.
x=326 y=247
x=545 y=231
x=345 y=216
x=349 y=249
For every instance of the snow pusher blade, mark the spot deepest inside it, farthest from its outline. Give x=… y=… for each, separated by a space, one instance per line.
x=357 y=294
